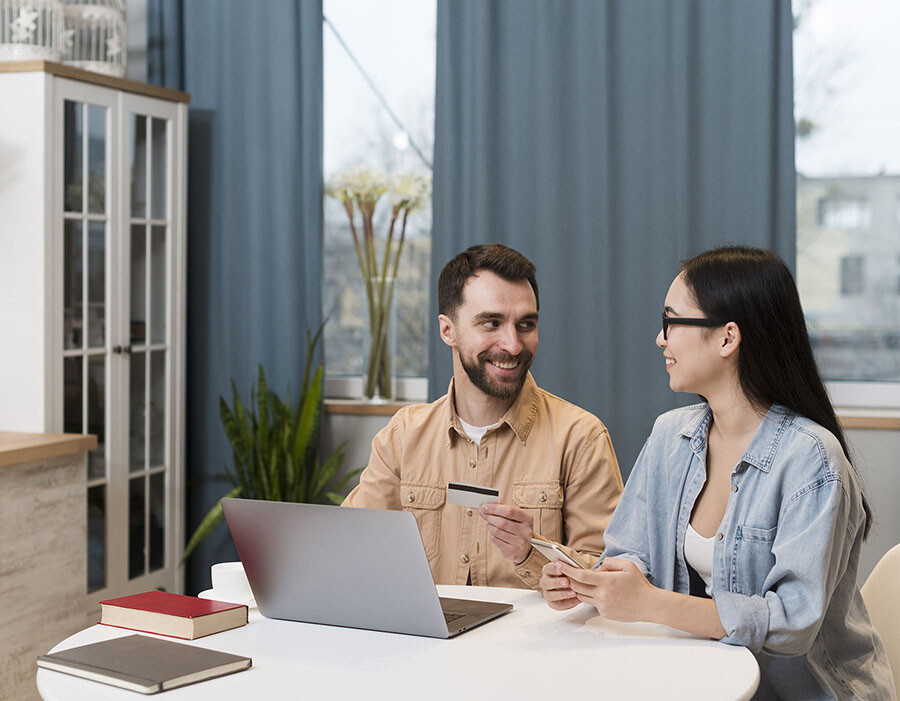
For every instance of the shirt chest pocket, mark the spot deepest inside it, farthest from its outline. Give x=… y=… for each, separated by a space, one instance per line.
x=426 y=503
x=543 y=500
x=753 y=559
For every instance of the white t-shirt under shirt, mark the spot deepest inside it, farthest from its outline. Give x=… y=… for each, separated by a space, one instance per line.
x=698 y=553
x=476 y=432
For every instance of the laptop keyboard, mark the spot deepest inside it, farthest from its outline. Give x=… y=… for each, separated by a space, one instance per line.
x=449 y=617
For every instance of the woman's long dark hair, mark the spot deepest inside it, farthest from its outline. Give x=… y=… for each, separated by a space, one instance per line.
x=755 y=289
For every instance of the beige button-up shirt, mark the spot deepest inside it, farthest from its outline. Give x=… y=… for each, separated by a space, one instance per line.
x=546 y=456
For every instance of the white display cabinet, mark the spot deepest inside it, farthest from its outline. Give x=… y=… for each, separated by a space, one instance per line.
x=92 y=301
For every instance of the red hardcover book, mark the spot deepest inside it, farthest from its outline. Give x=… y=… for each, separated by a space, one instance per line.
x=176 y=615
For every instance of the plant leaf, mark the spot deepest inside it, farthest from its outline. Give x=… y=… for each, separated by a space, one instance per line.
x=276 y=452
x=311 y=344
x=323 y=473
x=336 y=499
x=309 y=410
x=346 y=478
x=207 y=525
x=262 y=428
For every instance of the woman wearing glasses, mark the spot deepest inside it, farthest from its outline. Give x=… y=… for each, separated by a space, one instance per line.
x=743 y=517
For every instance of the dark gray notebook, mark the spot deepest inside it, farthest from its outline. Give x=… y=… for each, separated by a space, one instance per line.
x=143 y=664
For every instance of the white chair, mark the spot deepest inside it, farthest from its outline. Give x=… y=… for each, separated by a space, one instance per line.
x=881 y=592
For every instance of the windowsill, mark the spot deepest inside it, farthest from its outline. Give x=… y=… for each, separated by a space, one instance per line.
x=361 y=407
x=873 y=419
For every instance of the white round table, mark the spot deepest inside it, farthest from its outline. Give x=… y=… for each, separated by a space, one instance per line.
x=530 y=652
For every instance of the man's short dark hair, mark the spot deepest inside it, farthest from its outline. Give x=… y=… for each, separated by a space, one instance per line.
x=495 y=257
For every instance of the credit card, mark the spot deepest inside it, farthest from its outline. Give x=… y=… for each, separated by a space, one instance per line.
x=471 y=495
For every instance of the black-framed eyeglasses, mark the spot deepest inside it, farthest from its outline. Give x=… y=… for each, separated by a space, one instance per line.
x=668 y=321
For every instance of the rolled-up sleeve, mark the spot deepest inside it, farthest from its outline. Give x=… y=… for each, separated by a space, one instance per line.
x=811 y=550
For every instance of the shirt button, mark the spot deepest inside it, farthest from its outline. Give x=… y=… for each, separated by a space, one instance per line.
x=526 y=573
x=410 y=497
x=542 y=496
x=734 y=488
x=719 y=536
x=472 y=463
x=468 y=512
x=464 y=558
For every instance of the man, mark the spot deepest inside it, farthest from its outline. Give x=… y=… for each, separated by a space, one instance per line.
x=552 y=462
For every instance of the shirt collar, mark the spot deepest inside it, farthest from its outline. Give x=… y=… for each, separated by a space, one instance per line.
x=764 y=444
x=519 y=417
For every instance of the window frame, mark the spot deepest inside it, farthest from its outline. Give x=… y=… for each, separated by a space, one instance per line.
x=406 y=389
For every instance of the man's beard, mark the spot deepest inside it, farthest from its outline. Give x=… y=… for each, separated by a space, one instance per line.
x=497 y=388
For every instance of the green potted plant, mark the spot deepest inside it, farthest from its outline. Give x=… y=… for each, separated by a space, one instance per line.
x=276 y=447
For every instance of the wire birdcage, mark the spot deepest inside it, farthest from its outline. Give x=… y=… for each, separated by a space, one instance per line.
x=94 y=36
x=30 y=30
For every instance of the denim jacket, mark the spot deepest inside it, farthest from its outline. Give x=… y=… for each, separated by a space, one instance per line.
x=786 y=553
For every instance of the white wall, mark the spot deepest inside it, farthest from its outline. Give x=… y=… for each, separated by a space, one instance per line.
x=356 y=432
x=876 y=454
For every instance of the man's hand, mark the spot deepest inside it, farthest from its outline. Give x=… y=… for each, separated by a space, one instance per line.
x=510 y=530
x=618 y=590
x=555 y=589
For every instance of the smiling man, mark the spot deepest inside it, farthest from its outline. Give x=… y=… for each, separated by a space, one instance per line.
x=552 y=462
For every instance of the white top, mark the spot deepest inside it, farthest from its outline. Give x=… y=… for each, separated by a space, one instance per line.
x=476 y=433
x=698 y=553
x=531 y=652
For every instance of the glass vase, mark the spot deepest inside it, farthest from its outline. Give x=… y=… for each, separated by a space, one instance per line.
x=381 y=337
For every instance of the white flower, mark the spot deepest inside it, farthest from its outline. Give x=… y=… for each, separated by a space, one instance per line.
x=361 y=181
x=409 y=189
x=336 y=187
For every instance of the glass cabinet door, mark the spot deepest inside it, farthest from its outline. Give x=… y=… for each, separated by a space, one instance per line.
x=149 y=404
x=85 y=246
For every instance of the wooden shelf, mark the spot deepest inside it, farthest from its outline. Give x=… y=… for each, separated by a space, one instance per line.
x=64 y=71
x=16 y=448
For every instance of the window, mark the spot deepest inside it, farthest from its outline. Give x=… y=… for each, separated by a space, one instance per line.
x=852 y=277
x=844 y=214
x=379 y=63
x=847 y=116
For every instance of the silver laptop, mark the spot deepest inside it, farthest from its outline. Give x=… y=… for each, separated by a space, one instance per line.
x=360 y=568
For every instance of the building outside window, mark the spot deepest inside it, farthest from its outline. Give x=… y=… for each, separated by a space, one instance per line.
x=836 y=212
x=847 y=114
x=379 y=77
x=852 y=275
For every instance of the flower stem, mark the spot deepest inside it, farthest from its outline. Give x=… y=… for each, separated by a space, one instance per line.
x=380 y=360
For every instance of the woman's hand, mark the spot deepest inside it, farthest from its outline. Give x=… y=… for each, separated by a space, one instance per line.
x=618 y=589
x=555 y=589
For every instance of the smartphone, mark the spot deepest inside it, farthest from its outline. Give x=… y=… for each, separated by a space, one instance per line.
x=555 y=553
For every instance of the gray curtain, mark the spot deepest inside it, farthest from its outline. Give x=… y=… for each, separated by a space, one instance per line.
x=608 y=140
x=254 y=71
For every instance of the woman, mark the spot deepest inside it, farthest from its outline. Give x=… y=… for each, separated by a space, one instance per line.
x=743 y=517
